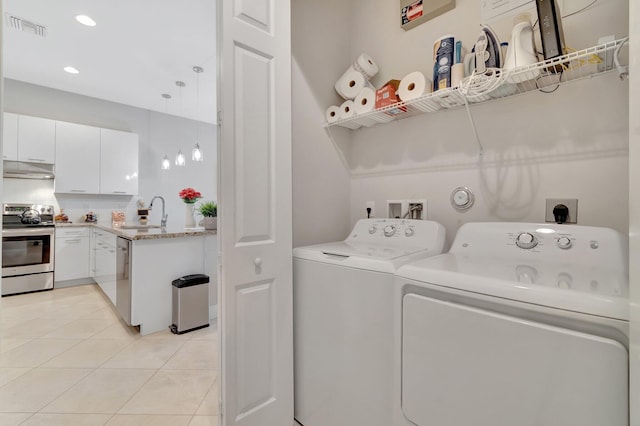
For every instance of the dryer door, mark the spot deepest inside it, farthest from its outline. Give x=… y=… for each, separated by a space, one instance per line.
x=466 y=366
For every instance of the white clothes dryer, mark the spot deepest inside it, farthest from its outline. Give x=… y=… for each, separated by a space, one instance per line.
x=343 y=320
x=519 y=324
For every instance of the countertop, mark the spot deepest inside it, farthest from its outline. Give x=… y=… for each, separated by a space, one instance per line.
x=144 y=234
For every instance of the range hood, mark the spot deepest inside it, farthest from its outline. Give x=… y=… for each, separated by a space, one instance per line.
x=24 y=170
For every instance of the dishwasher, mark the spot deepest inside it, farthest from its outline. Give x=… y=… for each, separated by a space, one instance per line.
x=123 y=279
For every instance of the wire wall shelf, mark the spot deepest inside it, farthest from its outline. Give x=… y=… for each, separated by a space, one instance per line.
x=497 y=84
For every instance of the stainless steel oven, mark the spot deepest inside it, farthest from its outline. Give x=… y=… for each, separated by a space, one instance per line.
x=27 y=248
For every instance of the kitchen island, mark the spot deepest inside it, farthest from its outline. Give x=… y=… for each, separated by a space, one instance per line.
x=156 y=257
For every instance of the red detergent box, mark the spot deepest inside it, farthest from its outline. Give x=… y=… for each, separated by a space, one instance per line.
x=386 y=95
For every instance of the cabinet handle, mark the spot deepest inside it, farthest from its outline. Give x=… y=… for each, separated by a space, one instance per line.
x=77 y=240
x=119 y=192
x=36 y=159
x=78 y=190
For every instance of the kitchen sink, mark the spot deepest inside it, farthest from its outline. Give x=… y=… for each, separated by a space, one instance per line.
x=139 y=226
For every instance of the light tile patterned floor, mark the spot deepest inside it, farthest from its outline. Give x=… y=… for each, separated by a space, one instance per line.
x=67 y=359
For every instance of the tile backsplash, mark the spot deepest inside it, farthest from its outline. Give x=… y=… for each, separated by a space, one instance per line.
x=34 y=191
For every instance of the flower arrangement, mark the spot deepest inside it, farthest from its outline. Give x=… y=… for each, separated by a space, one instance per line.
x=189 y=195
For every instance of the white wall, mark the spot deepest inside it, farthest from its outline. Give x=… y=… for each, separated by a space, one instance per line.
x=634 y=213
x=320 y=49
x=158 y=134
x=572 y=143
x=536 y=147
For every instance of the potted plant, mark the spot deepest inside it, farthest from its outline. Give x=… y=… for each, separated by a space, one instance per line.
x=209 y=212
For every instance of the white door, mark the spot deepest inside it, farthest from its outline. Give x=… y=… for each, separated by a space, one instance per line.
x=256 y=325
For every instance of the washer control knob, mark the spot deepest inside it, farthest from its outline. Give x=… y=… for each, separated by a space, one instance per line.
x=389 y=230
x=409 y=232
x=526 y=241
x=373 y=229
x=564 y=243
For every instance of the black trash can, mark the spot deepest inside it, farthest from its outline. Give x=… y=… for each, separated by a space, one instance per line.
x=190 y=303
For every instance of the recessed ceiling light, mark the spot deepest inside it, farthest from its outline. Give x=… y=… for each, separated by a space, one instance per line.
x=71 y=70
x=86 y=20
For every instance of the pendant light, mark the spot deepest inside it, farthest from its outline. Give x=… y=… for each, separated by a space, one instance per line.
x=196 y=153
x=166 y=164
x=180 y=160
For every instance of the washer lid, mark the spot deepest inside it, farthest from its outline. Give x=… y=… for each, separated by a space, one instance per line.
x=372 y=257
x=578 y=288
x=374 y=251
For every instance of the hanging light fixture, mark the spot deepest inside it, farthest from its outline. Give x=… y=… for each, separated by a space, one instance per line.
x=196 y=153
x=180 y=160
x=166 y=164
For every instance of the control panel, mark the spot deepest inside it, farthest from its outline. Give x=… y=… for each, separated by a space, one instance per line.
x=397 y=232
x=530 y=240
x=18 y=209
x=570 y=257
x=589 y=246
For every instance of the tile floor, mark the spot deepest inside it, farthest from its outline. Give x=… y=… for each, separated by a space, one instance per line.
x=67 y=359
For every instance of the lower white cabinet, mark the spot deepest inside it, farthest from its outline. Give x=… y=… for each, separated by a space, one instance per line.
x=104 y=262
x=72 y=255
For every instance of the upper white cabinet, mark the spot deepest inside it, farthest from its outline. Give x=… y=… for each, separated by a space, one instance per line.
x=118 y=162
x=36 y=139
x=10 y=136
x=91 y=160
x=77 y=158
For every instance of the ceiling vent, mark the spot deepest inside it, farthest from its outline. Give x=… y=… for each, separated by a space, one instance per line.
x=21 y=24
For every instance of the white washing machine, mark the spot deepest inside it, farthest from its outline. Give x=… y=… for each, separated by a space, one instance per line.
x=519 y=324
x=343 y=320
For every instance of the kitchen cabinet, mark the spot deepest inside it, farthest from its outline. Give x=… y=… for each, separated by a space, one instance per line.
x=77 y=158
x=72 y=255
x=104 y=262
x=36 y=139
x=118 y=162
x=10 y=136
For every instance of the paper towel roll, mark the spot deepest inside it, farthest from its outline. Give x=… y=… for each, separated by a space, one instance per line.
x=350 y=84
x=332 y=114
x=457 y=74
x=366 y=65
x=414 y=85
x=365 y=101
x=347 y=109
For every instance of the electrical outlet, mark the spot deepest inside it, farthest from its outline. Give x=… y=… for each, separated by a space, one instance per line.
x=417 y=209
x=572 y=205
x=394 y=208
x=371 y=205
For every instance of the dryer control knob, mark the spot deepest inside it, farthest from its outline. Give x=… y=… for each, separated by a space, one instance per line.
x=389 y=230
x=526 y=241
x=409 y=232
x=373 y=229
x=564 y=243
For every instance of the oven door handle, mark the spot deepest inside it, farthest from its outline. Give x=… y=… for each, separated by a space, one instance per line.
x=18 y=232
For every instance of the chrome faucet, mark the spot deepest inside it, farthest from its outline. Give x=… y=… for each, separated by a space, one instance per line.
x=163 y=221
